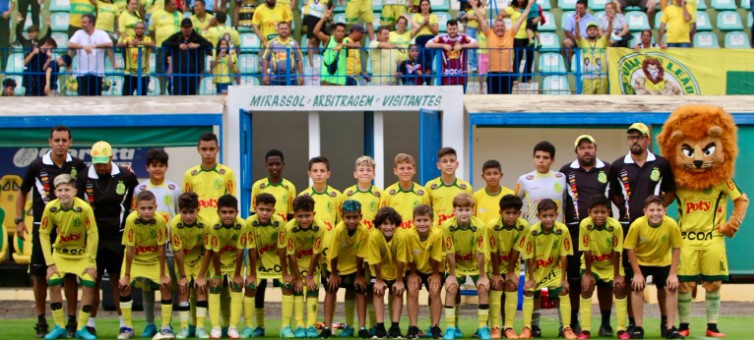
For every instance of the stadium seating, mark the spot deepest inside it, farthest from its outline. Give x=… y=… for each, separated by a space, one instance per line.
x=746 y=5
x=598 y=15
x=249 y=42
x=154 y=87
x=339 y=17
x=15 y=63
x=749 y=20
x=61 y=39
x=598 y=5
x=637 y=21
x=551 y=63
x=555 y=85
x=564 y=17
x=701 y=5
x=376 y=5
x=549 y=40
x=115 y=87
x=549 y=25
x=724 y=5
x=703 y=22
x=545 y=4
x=706 y=40
x=442 y=20
x=60 y=5
x=304 y=43
x=737 y=40
x=567 y=5
x=248 y=63
x=59 y=21
x=437 y=5
x=729 y=21
x=119 y=63
x=207 y=87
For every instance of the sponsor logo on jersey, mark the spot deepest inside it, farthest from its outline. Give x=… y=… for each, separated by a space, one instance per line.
x=146 y=249
x=698 y=206
x=72 y=237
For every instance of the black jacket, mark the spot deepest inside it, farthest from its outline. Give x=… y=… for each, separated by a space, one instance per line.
x=190 y=61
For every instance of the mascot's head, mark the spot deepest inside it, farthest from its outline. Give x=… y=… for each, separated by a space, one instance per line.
x=700 y=142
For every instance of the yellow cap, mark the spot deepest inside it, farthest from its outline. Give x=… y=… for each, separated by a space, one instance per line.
x=582 y=138
x=643 y=129
x=101 y=152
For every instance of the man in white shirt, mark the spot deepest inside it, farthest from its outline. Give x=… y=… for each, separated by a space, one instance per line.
x=90 y=45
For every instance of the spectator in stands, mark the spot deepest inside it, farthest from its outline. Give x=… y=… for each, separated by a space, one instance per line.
x=267 y=17
x=521 y=40
x=352 y=42
x=283 y=59
x=313 y=11
x=9 y=87
x=201 y=18
x=333 y=70
x=410 y=70
x=34 y=75
x=224 y=64
x=646 y=41
x=401 y=37
x=570 y=28
x=620 y=26
x=472 y=29
x=222 y=31
x=424 y=27
x=532 y=25
x=385 y=58
x=137 y=47
x=91 y=45
x=500 y=42
x=392 y=10
x=187 y=50
x=675 y=21
x=107 y=17
x=128 y=19
x=165 y=23
x=454 y=46
x=52 y=72
x=79 y=8
x=593 y=54
x=34 y=40
x=6 y=9
x=647 y=6
x=23 y=10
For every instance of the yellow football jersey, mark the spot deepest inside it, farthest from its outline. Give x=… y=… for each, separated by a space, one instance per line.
x=326 y=205
x=387 y=253
x=486 y=206
x=370 y=202
x=465 y=243
x=188 y=239
x=146 y=236
x=441 y=197
x=77 y=231
x=284 y=193
x=404 y=201
x=209 y=185
x=268 y=18
x=653 y=244
x=347 y=246
x=226 y=240
x=701 y=212
x=503 y=240
x=546 y=248
x=304 y=243
x=265 y=236
x=602 y=242
x=420 y=252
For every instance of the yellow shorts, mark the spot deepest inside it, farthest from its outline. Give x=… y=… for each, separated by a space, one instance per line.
x=552 y=281
x=266 y=273
x=148 y=271
x=709 y=264
x=75 y=266
x=605 y=274
x=391 y=13
x=359 y=9
x=594 y=86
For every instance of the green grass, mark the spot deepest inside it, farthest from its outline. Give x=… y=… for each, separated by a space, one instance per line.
x=735 y=327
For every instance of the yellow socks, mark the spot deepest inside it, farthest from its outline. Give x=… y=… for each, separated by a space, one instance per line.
x=565 y=309
x=58 y=314
x=214 y=310
x=585 y=309
x=248 y=310
x=201 y=313
x=298 y=310
x=166 y=312
x=236 y=306
x=527 y=309
x=450 y=316
x=621 y=312
x=511 y=304
x=350 y=307
x=125 y=309
x=287 y=311
x=84 y=314
x=483 y=314
x=312 y=308
x=495 y=301
x=259 y=312
x=184 y=313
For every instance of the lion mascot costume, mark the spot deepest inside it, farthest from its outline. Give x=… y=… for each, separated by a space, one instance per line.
x=700 y=142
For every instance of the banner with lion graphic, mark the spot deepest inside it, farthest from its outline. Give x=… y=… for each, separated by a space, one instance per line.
x=681 y=71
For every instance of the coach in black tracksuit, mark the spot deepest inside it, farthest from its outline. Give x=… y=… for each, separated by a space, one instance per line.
x=109 y=189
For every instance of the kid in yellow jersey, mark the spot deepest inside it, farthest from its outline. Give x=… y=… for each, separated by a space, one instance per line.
x=228 y=237
x=72 y=253
x=466 y=248
x=283 y=190
x=406 y=194
x=443 y=190
x=487 y=199
x=345 y=267
x=187 y=234
x=505 y=237
x=653 y=245
x=545 y=249
x=368 y=196
x=425 y=261
x=267 y=227
x=145 y=237
x=602 y=243
x=327 y=200
x=209 y=179
x=387 y=261
x=304 y=239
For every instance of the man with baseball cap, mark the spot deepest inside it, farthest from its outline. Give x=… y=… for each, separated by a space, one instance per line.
x=634 y=177
x=108 y=188
x=586 y=178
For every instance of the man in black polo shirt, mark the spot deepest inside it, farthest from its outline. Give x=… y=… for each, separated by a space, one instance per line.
x=109 y=189
x=39 y=176
x=587 y=177
x=633 y=178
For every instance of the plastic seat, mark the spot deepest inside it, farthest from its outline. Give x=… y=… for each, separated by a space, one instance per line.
x=442 y=21
x=59 y=21
x=340 y=17
x=598 y=5
x=154 y=86
x=703 y=22
x=112 y=86
x=439 y=5
x=207 y=86
x=706 y=40
x=598 y=15
x=119 y=63
x=549 y=40
x=555 y=85
x=249 y=42
x=737 y=40
x=549 y=25
x=376 y=6
x=61 y=39
x=15 y=64
x=746 y=5
x=724 y=5
x=248 y=64
x=551 y=62
x=567 y=5
x=701 y=5
x=564 y=17
x=749 y=19
x=637 y=21
x=545 y=4
x=60 y=5
x=729 y=21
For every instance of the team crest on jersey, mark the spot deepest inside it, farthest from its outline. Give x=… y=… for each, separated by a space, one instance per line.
x=171 y=186
x=590 y=227
x=377 y=193
x=433 y=186
x=221 y=171
x=530 y=177
x=392 y=191
x=74 y=172
x=120 y=189
x=315 y=228
x=262 y=186
x=655 y=175
x=602 y=177
x=255 y=223
x=76 y=222
x=463 y=186
x=535 y=232
x=558 y=232
x=610 y=228
x=53 y=209
x=333 y=194
x=193 y=172
x=558 y=174
x=218 y=226
x=349 y=193
x=420 y=192
x=557 y=187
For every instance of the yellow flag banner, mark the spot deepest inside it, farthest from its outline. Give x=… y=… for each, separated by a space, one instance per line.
x=681 y=71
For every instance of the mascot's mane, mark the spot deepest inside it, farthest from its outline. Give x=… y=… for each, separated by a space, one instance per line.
x=692 y=123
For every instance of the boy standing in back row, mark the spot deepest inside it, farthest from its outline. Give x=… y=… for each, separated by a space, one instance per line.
x=487 y=199
x=406 y=194
x=443 y=190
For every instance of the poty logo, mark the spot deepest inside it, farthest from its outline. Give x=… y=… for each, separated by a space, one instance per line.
x=305 y=252
x=460 y=258
x=602 y=258
x=146 y=249
x=266 y=249
x=655 y=73
x=70 y=237
x=406 y=224
x=442 y=218
x=544 y=263
x=210 y=203
x=698 y=206
x=228 y=248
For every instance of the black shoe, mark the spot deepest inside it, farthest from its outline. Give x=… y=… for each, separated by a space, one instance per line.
x=536 y=332
x=663 y=330
x=326 y=333
x=42 y=329
x=605 y=330
x=91 y=330
x=576 y=327
x=413 y=332
x=364 y=333
x=379 y=332
x=637 y=333
x=672 y=333
x=71 y=329
x=436 y=332
x=395 y=332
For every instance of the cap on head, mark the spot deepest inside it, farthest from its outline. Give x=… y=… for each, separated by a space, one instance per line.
x=101 y=152
x=639 y=127
x=186 y=22
x=591 y=24
x=582 y=138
